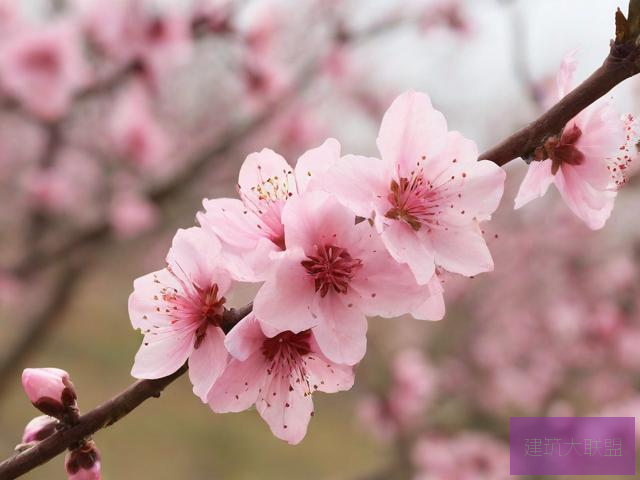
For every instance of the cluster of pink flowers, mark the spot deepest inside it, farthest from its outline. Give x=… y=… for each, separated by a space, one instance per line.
x=334 y=240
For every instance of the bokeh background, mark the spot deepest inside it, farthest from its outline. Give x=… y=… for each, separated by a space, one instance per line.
x=100 y=164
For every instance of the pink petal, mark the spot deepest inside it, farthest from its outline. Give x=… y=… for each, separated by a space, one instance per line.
x=565 y=75
x=461 y=250
x=411 y=129
x=342 y=331
x=285 y=408
x=238 y=386
x=327 y=376
x=535 y=184
x=285 y=299
x=592 y=206
x=258 y=168
x=317 y=219
x=245 y=338
x=231 y=221
x=433 y=307
x=207 y=362
x=358 y=182
x=195 y=257
x=385 y=287
x=142 y=303
x=410 y=247
x=313 y=163
x=161 y=355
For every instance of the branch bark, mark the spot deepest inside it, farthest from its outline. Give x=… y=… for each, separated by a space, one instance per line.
x=102 y=416
x=622 y=63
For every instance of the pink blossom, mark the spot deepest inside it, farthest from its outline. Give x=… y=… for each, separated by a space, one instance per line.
x=587 y=162
x=135 y=132
x=49 y=389
x=251 y=228
x=131 y=214
x=83 y=463
x=179 y=309
x=414 y=382
x=39 y=428
x=278 y=373
x=332 y=274
x=427 y=195
x=468 y=456
x=43 y=68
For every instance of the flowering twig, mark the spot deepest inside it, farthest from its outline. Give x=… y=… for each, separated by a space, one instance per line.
x=623 y=62
x=100 y=417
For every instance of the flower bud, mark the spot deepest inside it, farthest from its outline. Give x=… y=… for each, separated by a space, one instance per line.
x=83 y=463
x=39 y=428
x=50 y=390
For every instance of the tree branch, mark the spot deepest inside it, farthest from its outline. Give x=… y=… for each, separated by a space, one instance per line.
x=622 y=63
x=102 y=416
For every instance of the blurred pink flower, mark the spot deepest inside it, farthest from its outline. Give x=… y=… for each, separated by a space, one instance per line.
x=427 y=195
x=468 y=456
x=414 y=386
x=132 y=214
x=49 y=389
x=251 y=228
x=39 y=428
x=332 y=274
x=587 y=163
x=279 y=374
x=43 y=67
x=135 y=132
x=179 y=310
x=83 y=463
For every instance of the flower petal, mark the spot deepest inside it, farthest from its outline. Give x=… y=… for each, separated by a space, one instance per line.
x=313 y=163
x=535 y=184
x=238 y=386
x=207 y=362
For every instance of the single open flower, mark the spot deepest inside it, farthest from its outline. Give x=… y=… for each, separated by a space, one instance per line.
x=587 y=161
x=179 y=309
x=278 y=373
x=428 y=193
x=50 y=390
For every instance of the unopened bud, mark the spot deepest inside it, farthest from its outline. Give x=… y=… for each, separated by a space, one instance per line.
x=50 y=390
x=39 y=428
x=83 y=463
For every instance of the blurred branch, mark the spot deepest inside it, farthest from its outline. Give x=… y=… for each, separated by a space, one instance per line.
x=623 y=62
x=39 y=323
x=100 y=417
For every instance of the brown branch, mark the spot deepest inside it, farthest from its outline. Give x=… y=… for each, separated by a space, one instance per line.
x=100 y=417
x=622 y=63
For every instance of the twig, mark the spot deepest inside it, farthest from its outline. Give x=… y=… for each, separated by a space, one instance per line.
x=100 y=417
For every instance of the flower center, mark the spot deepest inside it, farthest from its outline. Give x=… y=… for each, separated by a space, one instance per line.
x=331 y=268
x=418 y=201
x=287 y=343
x=563 y=150
x=44 y=61
x=211 y=310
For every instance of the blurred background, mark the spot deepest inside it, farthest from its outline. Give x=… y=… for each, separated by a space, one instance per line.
x=118 y=117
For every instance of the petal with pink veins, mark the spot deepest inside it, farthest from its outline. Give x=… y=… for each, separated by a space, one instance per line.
x=411 y=131
x=239 y=385
x=207 y=362
x=342 y=330
x=461 y=250
x=313 y=163
x=535 y=184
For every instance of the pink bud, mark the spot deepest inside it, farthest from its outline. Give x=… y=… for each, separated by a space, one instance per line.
x=83 y=463
x=50 y=390
x=39 y=428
